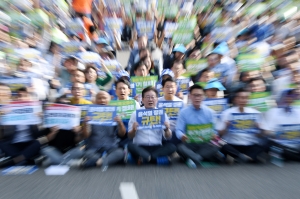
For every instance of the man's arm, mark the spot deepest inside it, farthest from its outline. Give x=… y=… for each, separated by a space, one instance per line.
x=121 y=126
x=86 y=128
x=180 y=127
x=132 y=126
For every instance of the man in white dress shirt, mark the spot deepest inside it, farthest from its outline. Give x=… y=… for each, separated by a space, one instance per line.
x=147 y=144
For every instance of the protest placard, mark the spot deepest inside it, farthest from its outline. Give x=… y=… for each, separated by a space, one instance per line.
x=169 y=29
x=15 y=83
x=199 y=133
x=113 y=24
x=21 y=112
x=143 y=82
x=187 y=23
x=182 y=37
x=65 y=116
x=144 y=27
x=218 y=105
x=194 y=66
x=89 y=57
x=288 y=134
x=183 y=85
x=249 y=62
x=171 y=108
x=244 y=123
x=102 y=115
x=75 y=26
x=125 y=108
x=150 y=118
x=70 y=48
x=259 y=101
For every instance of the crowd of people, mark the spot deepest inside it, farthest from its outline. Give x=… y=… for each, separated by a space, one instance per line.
x=225 y=73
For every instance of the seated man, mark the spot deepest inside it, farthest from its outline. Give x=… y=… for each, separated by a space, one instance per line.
x=102 y=147
x=242 y=136
x=122 y=91
x=19 y=143
x=194 y=151
x=169 y=87
x=147 y=144
x=284 y=121
x=62 y=147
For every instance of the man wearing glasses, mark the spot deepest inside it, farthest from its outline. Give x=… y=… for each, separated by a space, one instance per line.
x=147 y=144
x=195 y=129
x=77 y=92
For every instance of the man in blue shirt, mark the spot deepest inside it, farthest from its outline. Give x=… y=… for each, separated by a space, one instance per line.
x=195 y=129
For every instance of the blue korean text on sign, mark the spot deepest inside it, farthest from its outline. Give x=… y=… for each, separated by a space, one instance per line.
x=288 y=134
x=150 y=118
x=244 y=123
x=102 y=115
x=171 y=108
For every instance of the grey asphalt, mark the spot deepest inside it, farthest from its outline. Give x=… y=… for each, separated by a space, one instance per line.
x=152 y=182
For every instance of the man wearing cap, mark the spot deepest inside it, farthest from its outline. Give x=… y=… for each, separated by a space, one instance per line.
x=110 y=61
x=142 y=43
x=222 y=71
x=177 y=55
x=214 y=89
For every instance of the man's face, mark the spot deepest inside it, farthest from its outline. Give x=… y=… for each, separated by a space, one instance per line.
x=169 y=89
x=77 y=90
x=257 y=86
x=179 y=56
x=142 y=71
x=70 y=65
x=150 y=99
x=196 y=54
x=122 y=91
x=78 y=76
x=178 y=69
x=213 y=60
x=142 y=42
x=211 y=93
x=206 y=76
x=196 y=97
x=241 y=99
x=102 y=98
x=5 y=93
x=23 y=96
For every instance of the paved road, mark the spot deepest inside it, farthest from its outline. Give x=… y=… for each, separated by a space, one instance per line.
x=151 y=182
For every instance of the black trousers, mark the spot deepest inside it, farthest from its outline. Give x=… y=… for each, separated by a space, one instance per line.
x=28 y=149
x=154 y=151
x=236 y=150
x=289 y=153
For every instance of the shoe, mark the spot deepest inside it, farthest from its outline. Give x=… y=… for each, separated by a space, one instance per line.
x=89 y=163
x=191 y=164
x=129 y=159
x=40 y=160
x=163 y=161
x=75 y=163
x=6 y=161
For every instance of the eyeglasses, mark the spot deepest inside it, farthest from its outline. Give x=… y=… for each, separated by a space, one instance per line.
x=150 y=97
